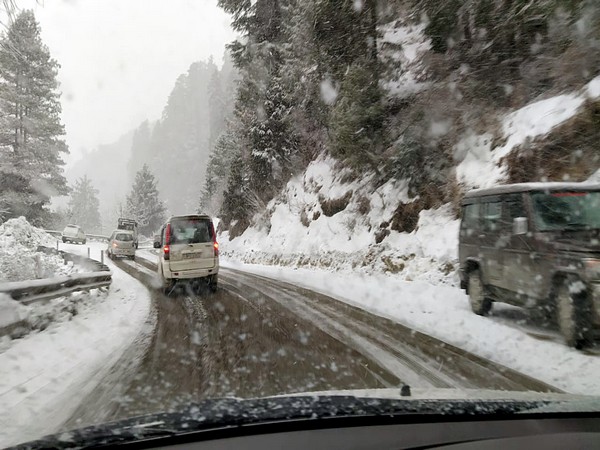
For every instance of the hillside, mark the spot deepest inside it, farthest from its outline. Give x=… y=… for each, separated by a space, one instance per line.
x=452 y=123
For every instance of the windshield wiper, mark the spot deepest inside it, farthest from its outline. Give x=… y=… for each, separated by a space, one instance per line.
x=227 y=413
x=576 y=226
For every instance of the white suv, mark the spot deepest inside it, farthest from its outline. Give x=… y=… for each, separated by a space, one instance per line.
x=188 y=251
x=73 y=233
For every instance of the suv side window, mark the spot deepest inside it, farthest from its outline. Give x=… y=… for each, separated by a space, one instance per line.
x=513 y=208
x=470 y=222
x=492 y=215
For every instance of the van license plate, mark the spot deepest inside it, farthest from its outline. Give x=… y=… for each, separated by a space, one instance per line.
x=191 y=255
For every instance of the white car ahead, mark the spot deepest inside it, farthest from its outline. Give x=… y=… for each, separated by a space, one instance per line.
x=188 y=251
x=121 y=244
x=73 y=233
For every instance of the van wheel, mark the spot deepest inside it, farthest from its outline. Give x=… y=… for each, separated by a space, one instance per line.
x=213 y=283
x=166 y=286
x=480 y=304
x=574 y=312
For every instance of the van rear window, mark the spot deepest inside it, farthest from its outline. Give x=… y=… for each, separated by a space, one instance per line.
x=191 y=231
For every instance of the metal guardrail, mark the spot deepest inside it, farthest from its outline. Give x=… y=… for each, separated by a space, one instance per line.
x=98 y=237
x=32 y=291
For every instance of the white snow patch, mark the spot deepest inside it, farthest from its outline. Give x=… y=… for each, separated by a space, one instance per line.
x=479 y=163
x=19 y=259
x=329 y=92
x=11 y=311
x=346 y=240
x=405 y=46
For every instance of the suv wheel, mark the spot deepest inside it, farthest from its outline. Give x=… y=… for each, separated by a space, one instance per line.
x=480 y=304
x=574 y=313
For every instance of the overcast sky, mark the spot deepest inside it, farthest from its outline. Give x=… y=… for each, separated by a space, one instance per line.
x=120 y=58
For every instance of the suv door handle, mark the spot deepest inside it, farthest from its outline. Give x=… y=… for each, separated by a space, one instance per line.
x=535 y=256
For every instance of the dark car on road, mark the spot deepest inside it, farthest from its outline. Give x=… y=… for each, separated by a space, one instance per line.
x=535 y=245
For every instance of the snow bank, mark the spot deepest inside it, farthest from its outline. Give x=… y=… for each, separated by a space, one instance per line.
x=295 y=230
x=19 y=259
x=11 y=311
x=479 y=163
x=45 y=375
x=444 y=312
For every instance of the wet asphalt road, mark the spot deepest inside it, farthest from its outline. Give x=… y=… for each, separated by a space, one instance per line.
x=257 y=337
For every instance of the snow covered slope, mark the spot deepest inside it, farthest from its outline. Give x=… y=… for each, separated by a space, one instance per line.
x=298 y=228
x=478 y=163
x=296 y=231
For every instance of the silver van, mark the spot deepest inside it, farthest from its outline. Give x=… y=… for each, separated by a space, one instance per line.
x=188 y=250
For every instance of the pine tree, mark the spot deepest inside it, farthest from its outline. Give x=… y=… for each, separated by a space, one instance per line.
x=273 y=143
x=140 y=149
x=84 y=206
x=238 y=201
x=144 y=204
x=217 y=173
x=31 y=142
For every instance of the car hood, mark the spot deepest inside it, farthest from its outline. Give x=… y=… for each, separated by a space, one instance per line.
x=324 y=409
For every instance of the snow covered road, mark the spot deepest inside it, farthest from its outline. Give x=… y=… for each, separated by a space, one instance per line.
x=506 y=337
x=257 y=337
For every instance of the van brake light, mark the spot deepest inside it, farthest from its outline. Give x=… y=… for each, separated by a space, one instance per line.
x=168 y=234
x=167 y=252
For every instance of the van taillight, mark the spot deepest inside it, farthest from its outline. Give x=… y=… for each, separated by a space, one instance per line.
x=214 y=237
x=167 y=251
x=168 y=234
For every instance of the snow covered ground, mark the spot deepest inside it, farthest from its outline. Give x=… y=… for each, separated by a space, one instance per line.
x=44 y=375
x=19 y=259
x=444 y=312
x=346 y=240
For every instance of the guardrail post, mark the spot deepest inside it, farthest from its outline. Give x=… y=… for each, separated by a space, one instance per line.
x=57 y=246
x=88 y=252
x=102 y=256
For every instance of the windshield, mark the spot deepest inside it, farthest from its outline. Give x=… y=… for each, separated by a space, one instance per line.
x=244 y=199
x=566 y=210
